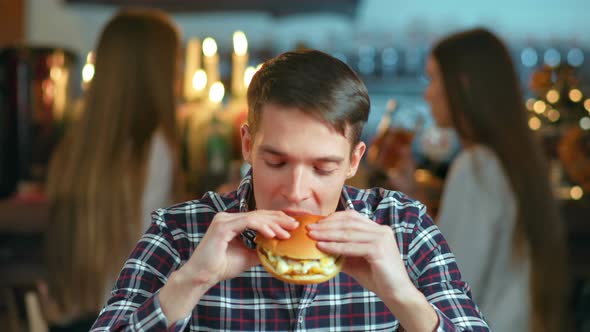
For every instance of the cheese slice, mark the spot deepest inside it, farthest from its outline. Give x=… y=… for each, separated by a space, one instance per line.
x=287 y=266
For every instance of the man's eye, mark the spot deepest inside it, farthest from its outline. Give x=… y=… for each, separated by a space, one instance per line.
x=275 y=164
x=323 y=171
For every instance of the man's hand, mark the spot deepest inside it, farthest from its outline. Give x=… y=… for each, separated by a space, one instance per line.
x=374 y=260
x=219 y=256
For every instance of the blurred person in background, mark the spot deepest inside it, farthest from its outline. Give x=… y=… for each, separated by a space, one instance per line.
x=116 y=164
x=497 y=211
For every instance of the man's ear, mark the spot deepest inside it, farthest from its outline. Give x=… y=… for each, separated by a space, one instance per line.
x=246 y=143
x=355 y=159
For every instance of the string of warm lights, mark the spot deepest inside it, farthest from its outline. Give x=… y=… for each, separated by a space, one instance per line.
x=559 y=103
x=547 y=108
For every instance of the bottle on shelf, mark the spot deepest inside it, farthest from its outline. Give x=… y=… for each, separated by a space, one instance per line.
x=219 y=150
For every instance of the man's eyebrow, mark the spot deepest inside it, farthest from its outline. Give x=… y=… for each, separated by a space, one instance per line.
x=325 y=159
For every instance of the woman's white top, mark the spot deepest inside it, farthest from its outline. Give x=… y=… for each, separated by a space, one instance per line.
x=158 y=185
x=477 y=218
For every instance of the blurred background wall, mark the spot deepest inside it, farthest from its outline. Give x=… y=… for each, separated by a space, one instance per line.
x=370 y=27
x=77 y=26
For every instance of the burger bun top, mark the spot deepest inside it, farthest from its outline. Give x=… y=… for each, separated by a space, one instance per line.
x=299 y=245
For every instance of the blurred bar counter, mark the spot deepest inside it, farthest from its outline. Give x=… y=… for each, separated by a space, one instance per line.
x=22 y=227
x=23 y=223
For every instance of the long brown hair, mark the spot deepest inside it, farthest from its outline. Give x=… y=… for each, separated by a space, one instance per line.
x=97 y=173
x=487 y=107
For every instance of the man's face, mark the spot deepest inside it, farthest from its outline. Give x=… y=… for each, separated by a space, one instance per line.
x=299 y=163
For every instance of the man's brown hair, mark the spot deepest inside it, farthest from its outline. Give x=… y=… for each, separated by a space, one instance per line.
x=315 y=83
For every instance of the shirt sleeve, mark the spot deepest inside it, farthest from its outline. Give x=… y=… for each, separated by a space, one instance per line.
x=433 y=268
x=134 y=304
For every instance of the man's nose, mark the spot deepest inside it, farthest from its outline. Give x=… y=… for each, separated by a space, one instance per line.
x=296 y=188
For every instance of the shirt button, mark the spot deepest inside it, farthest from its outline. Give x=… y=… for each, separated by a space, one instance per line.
x=300 y=320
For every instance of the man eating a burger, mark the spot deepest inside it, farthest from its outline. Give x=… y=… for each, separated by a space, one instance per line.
x=243 y=261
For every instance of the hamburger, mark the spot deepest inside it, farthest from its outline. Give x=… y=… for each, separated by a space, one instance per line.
x=297 y=260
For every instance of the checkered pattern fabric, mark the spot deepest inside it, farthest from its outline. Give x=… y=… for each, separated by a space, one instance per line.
x=255 y=301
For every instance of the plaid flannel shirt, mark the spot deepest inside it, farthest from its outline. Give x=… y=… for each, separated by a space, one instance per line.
x=255 y=301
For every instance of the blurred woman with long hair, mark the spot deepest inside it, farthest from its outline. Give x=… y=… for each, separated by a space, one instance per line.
x=116 y=164
x=497 y=211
